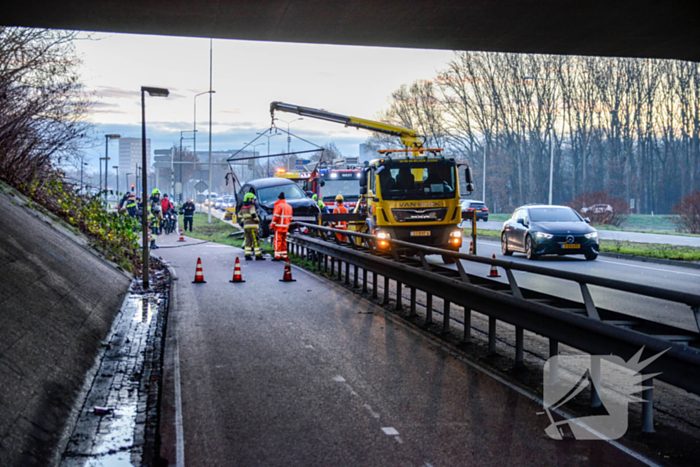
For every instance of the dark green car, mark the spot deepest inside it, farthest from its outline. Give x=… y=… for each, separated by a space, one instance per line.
x=538 y=230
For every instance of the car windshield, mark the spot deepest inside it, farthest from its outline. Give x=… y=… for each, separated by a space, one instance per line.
x=350 y=189
x=554 y=215
x=269 y=195
x=417 y=180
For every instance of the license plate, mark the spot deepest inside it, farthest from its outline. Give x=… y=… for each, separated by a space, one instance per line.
x=420 y=233
x=571 y=245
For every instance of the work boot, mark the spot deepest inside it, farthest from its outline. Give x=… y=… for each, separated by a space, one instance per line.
x=276 y=259
x=259 y=258
x=248 y=258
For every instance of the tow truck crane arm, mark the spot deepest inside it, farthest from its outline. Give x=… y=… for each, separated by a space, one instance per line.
x=408 y=137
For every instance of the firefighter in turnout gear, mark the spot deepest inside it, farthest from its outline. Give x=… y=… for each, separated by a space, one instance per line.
x=340 y=209
x=281 y=218
x=250 y=227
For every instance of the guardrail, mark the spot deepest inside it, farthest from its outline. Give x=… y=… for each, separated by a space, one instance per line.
x=580 y=325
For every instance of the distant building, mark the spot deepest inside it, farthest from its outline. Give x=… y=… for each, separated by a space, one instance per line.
x=130 y=156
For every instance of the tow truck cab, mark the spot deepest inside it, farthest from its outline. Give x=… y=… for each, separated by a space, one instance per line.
x=415 y=199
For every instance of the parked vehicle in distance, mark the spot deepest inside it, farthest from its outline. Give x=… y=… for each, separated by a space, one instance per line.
x=597 y=209
x=217 y=203
x=538 y=230
x=471 y=205
x=266 y=190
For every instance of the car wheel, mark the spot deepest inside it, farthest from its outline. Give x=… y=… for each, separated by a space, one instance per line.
x=448 y=259
x=264 y=230
x=504 y=246
x=591 y=256
x=528 y=249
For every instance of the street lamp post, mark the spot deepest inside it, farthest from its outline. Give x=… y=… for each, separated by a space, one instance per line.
x=268 y=148
x=116 y=173
x=127 y=181
x=107 y=138
x=551 y=142
x=289 y=137
x=194 y=136
x=82 y=187
x=154 y=92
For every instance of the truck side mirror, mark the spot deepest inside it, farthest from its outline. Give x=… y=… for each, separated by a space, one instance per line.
x=363 y=190
x=363 y=179
x=470 y=188
x=468 y=177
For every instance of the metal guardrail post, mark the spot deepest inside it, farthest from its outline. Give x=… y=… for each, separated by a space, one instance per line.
x=519 y=346
x=340 y=270
x=467 y=325
x=332 y=266
x=591 y=310
x=428 y=308
x=354 y=276
x=446 y=316
x=399 y=297
x=386 y=290
x=412 y=311
x=364 y=280
x=595 y=381
x=492 y=335
x=648 y=406
x=347 y=273
x=553 y=364
x=374 y=284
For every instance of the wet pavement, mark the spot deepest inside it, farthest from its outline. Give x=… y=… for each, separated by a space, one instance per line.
x=309 y=373
x=118 y=420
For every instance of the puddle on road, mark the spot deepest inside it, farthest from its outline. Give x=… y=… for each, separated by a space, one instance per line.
x=112 y=437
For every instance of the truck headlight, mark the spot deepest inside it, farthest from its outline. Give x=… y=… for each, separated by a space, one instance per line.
x=383 y=239
x=456 y=237
x=456 y=233
x=543 y=236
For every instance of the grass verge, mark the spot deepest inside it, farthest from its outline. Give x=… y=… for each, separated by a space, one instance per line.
x=648 y=250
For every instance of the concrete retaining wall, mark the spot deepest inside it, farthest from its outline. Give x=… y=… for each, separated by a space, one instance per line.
x=57 y=302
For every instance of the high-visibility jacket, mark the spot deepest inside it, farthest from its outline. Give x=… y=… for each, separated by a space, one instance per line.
x=340 y=209
x=249 y=216
x=281 y=217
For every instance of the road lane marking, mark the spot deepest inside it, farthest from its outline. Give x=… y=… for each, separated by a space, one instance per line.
x=647 y=267
x=339 y=379
x=390 y=431
x=179 y=434
x=371 y=411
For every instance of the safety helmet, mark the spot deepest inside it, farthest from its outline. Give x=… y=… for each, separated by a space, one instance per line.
x=155 y=191
x=249 y=197
x=315 y=197
x=339 y=198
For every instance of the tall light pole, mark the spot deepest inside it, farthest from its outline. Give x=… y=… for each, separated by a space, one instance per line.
x=268 y=147
x=289 y=137
x=82 y=187
x=116 y=173
x=107 y=138
x=194 y=127
x=483 y=197
x=154 y=92
x=211 y=66
x=254 y=164
x=194 y=136
x=127 y=181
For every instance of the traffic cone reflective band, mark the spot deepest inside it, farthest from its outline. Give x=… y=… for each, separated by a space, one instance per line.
x=149 y=236
x=471 y=248
x=182 y=236
x=494 y=270
x=287 y=273
x=199 y=275
x=237 y=277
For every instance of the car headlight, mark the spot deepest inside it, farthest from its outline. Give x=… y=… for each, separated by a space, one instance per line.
x=592 y=235
x=543 y=236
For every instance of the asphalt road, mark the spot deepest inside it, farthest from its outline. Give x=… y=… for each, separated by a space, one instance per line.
x=637 y=237
x=309 y=374
x=669 y=277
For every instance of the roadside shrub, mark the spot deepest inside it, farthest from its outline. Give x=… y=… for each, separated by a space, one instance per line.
x=585 y=205
x=114 y=234
x=688 y=211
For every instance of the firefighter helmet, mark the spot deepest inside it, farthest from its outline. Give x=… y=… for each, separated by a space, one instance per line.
x=339 y=198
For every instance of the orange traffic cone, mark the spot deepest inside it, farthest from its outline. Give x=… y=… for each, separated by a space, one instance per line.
x=199 y=275
x=182 y=236
x=287 y=273
x=494 y=270
x=149 y=236
x=471 y=248
x=237 y=277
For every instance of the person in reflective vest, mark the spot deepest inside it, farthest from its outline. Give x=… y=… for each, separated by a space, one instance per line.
x=250 y=227
x=321 y=205
x=281 y=218
x=340 y=209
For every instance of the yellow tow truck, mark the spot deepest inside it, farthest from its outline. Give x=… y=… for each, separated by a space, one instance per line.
x=409 y=194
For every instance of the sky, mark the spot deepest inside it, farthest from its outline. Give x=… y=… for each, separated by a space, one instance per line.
x=246 y=76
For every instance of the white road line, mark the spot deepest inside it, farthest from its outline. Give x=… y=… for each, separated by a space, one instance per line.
x=647 y=267
x=179 y=433
x=390 y=431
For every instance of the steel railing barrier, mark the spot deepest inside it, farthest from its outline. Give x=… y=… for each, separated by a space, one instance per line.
x=580 y=325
